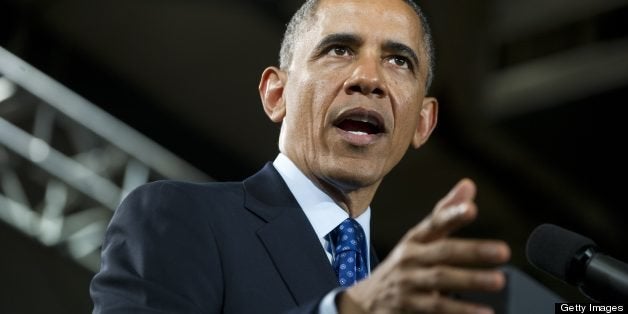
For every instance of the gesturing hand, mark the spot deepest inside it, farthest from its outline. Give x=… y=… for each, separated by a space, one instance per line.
x=426 y=265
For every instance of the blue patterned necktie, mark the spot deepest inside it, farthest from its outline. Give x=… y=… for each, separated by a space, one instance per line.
x=348 y=251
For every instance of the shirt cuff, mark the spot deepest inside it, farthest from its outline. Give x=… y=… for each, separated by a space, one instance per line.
x=328 y=303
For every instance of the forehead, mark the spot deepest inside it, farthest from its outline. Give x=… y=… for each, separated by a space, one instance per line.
x=379 y=20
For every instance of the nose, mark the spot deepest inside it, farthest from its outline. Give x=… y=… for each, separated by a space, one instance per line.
x=366 y=78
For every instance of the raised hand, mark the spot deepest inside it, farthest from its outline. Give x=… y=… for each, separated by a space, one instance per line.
x=427 y=265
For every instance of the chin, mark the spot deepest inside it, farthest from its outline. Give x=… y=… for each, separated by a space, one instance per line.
x=354 y=174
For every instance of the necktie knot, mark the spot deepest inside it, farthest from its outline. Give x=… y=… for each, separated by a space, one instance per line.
x=348 y=241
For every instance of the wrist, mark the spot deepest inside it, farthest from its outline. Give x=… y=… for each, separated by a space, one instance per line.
x=346 y=304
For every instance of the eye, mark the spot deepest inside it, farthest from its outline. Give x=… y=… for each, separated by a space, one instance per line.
x=400 y=61
x=339 y=51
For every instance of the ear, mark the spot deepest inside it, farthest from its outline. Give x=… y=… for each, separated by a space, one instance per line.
x=427 y=121
x=271 y=88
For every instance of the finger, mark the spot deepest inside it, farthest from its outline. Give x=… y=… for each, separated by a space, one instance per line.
x=455 y=252
x=464 y=191
x=455 y=210
x=453 y=279
x=434 y=302
x=441 y=223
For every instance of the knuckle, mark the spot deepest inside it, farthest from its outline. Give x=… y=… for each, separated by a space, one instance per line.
x=405 y=254
x=435 y=275
x=395 y=283
x=433 y=303
x=405 y=283
x=445 y=249
x=397 y=301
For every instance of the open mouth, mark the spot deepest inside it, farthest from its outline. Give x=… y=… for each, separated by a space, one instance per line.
x=360 y=127
x=360 y=122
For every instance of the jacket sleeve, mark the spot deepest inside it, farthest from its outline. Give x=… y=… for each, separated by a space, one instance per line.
x=159 y=256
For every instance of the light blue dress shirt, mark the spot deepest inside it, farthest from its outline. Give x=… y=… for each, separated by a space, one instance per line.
x=322 y=212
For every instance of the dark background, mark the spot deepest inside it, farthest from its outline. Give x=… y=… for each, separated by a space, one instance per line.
x=530 y=94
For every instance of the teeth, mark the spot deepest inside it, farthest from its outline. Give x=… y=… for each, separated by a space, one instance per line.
x=358 y=132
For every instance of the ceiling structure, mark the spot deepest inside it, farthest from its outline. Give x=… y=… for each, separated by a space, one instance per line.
x=530 y=95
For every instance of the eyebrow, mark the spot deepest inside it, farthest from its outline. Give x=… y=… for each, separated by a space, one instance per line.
x=352 y=40
x=399 y=48
x=345 y=39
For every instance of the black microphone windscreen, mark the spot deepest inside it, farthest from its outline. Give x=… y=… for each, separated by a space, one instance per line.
x=552 y=249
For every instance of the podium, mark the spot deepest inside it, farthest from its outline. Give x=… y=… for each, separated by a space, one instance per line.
x=522 y=295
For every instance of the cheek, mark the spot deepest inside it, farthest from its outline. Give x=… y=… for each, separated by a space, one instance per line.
x=406 y=109
x=407 y=116
x=404 y=133
x=303 y=114
x=307 y=102
x=314 y=101
x=403 y=88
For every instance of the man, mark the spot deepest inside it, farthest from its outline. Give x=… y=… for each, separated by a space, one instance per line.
x=350 y=97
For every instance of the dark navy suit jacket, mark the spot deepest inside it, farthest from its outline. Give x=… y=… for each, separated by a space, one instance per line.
x=240 y=247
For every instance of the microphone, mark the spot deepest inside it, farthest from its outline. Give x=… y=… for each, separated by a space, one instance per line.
x=577 y=260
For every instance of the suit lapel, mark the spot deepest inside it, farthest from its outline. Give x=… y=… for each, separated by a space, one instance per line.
x=374 y=258
x=289 y=237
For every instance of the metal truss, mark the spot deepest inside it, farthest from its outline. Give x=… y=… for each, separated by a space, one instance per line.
x=65 y=164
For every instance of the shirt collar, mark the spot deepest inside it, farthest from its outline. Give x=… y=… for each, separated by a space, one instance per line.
x=322 y=212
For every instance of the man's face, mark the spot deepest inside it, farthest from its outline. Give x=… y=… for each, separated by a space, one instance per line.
x=354 y=92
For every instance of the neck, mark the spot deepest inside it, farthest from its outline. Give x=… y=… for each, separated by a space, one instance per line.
x=354 y=201
x=354 y=197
